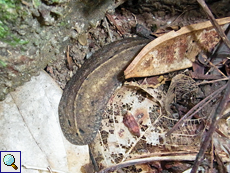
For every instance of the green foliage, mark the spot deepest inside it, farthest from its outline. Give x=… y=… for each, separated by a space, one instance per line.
x=2 y=63
x=36 y=3
x=9 y=13
x=4 y=30
x=16 y=41
x=8 y=10
x=55 y=1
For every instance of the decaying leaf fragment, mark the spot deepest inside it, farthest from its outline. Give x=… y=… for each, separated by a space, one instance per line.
x=175 y=50
x=130 y=122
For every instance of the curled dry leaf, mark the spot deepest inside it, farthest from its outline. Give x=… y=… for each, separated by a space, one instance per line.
x=182 y=87
x=175 y=50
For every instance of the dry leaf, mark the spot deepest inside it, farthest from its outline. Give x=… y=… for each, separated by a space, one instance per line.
x=139 y=135
x=116 y=144
x=175 y=50
x=82 y=38
x=130 y=122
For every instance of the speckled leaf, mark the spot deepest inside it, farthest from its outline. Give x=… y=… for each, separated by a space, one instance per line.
x=134 y=128
x=175 y=50
x=117 y=144
x=115 y=140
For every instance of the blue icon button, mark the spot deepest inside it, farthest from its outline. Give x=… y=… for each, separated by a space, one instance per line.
x=9 y=160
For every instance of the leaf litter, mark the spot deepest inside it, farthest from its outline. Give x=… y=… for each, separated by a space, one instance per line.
x=158 y=123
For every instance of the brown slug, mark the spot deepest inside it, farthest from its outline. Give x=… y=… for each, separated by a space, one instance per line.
x=87 y=93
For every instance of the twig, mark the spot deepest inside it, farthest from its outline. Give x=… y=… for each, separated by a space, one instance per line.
x=162 y=153
x=107 y=26
x=218 y=113
x=26 y=3
x=225 y=116
x=213 y=81
x=96 y=168
x=103 y=153
x=50 y=170
x=187 y=157
x=111 y=20
x=10 y=52
x=183 y=12
x=212 y=156
x=69 y=60
x=206 y=122
x=218 y=29
x=217 y=69
x=135 y=18
x=189 y=113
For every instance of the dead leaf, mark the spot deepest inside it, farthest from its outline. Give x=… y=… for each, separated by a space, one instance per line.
x=115 y=143
x=130 y=122
x=175 y=50
x=82 y=38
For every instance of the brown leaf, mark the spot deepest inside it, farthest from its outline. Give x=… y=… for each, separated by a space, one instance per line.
x=174 y=50
x=131 y=124
x=82 y=38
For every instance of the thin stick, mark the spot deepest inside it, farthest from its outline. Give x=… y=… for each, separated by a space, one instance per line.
x=135 y=18
x=107 y=26
x=218 y=113
x=212 y=156
x=50 y=170
x=214 y=23
x=217 y=130
x=217 y=69
x=111 y=20
x=69 y=60
x=94 y=163
x=225 y=116
x=213 y=81
x=189 y=157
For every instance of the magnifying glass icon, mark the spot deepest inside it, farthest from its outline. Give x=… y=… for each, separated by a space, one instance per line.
x=9 y=160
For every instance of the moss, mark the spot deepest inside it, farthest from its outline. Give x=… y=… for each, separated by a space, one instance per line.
x=9 y=13
x=8 y=10
x=18 y=41
x=4 y=30
x=64 y=24
x=47 y=26
x=36 y=3
x=2 y=64
x=56 y=1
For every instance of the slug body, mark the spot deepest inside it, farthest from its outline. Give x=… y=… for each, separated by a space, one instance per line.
x=87 y=93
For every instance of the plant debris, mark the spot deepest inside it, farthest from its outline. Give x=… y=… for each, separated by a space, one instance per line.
x=168 y=121
x=174 y=50
x=153 y=142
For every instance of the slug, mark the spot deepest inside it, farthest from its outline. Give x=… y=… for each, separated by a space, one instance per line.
x=88 y=91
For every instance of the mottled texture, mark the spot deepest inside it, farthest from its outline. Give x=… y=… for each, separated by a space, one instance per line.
x=86 y=94
x=35 y=33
